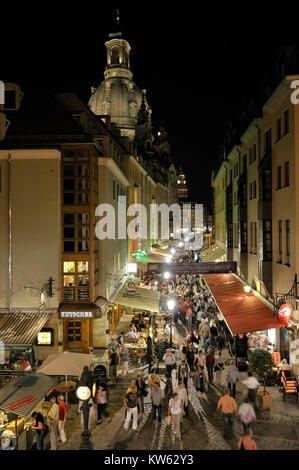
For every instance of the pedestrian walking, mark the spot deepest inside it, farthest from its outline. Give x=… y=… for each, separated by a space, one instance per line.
x=142 y=391
x=112 y=362
x=246 y=442
x=124 y=357
x=210 y=363
x=200 y=381
x=232 y=378
x=131 y=401
x=252 y=386
x=219 y=369
x=183 y=373
x=175 y=409
x=39 y=426
x=190 y=356
x=157 y=396
x=183 y=396
x=152 y=378
x=62 y=419
x=228 y=407
x=53 y=415
x=247 y=414
x=211 y=343
x=169 y=360
x=203 y=331
x=101 y=399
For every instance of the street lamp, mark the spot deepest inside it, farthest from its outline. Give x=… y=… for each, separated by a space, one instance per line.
x=172 y=251
x=84 y=392
x=166 y=275
x=170 y=306
x=247 y=289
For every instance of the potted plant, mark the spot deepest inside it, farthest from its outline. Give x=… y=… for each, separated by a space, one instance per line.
x=261 y=362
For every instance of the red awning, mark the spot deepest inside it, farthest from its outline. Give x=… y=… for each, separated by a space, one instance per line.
x=244 y=313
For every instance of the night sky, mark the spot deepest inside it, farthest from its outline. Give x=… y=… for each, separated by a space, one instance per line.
x=197 y=65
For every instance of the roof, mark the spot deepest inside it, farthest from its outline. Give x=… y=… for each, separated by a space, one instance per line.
x=23 y=328
x=22 y=395
x=243 y=312
x=148 y=299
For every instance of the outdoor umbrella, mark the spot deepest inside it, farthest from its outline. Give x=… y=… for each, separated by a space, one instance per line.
x=65 y=363
x=65 y=386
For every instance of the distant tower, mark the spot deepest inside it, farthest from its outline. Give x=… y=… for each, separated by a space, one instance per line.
x=182 y=188
x=118 y=96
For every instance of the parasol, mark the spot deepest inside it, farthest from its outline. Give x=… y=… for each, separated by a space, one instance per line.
x=65 y=387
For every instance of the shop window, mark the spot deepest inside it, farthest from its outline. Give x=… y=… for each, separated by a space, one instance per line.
x=45 y=337
x=83 y=219
x=82 y=266
x=83 y=246
x=69 y=266
x=83 y=280
x=69 y=219
x=69 y=232
x=69 y=281
x=83 y=232
x=69 y=294
x=69 y=247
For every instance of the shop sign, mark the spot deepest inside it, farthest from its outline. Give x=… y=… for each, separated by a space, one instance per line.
x=16 y=405
x=285 y=313
x=76 y=315
x=223 y=267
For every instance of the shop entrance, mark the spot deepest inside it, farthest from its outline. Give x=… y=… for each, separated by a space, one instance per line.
x=73 y=334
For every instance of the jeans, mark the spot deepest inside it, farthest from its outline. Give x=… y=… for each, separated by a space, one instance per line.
x=131 y=411
x=142 y=404
x=232 y=392
x=228 y=421
x=159 y=409
x=39 y=439
x=210 y=373
x=169 y=369
x=101 y=407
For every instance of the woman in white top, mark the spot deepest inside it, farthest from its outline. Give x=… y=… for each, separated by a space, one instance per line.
x=246 y=413
x=219 y=369
x=183 y=396
x=175 y=409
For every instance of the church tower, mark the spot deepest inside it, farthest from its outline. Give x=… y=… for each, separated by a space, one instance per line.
x=118 y=96
x=182 y=189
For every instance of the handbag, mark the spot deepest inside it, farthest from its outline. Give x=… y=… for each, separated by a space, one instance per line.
x=168 y=420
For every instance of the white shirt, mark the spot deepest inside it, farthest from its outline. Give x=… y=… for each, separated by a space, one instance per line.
x=251 y=383
x=175 y=406
x=169 y=359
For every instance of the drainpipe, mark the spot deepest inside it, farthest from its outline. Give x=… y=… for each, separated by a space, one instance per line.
x=9 y=231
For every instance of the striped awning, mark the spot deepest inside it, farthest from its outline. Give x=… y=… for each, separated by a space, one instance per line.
x=23 y=328
x=22 y=395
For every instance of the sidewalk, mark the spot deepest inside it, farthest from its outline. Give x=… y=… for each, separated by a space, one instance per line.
x=103 y=435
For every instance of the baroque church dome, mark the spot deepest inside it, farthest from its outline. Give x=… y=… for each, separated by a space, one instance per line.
x=118 y=96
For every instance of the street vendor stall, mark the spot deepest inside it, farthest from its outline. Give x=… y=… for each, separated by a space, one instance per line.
x=18 y=400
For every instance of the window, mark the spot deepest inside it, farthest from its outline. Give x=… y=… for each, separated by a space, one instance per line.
x=254 y=190
x=113 y=190
x=288 y=247
x=10 y=99
x=267 y=240
x=278 y=177
x=279 y=241
x=286 y=122
x=0 y=180
x=268 y=141
x=244 y=162
x=250 y=191
x=286 y=174
x=254 y=153
x=250 y=156
x=75 y=280
x=278 y=130
x=255 y=238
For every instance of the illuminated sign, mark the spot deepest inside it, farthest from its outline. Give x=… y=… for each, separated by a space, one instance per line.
x=44 y=337
x=139 y=254
x=285 y=313
x=76 y=315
